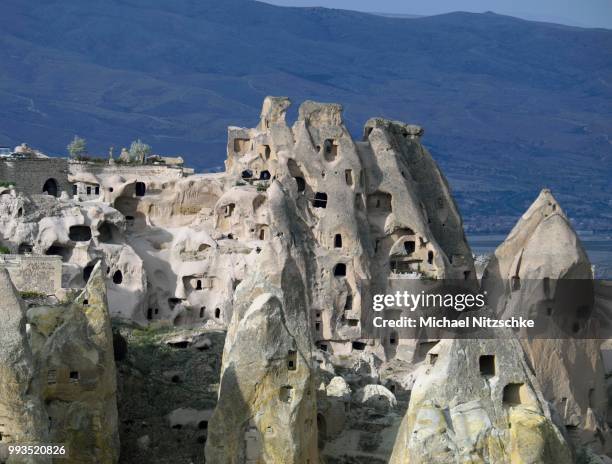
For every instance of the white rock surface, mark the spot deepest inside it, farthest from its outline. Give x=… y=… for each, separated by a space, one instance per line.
x=526 y=276
x=464 y=409
x=377 y=397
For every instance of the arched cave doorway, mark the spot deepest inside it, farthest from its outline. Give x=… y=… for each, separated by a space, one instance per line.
x=117 y=277
x=50 y=187
x=87 y=270
x=141 y=188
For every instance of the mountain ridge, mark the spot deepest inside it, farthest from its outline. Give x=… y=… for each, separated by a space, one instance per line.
x=498 y=96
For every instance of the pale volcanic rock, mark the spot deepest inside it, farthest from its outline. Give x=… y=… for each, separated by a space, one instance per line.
x=191 y=275
x=347 y=209
x=73 y=348
x=526 y=276
x=190 y=239
x=465 y=407
x=266 y=409
x=338 y=388
x=284 y=250
x=377 y=397
x=22 y=415
x=405 y=174
x=270 y=405
x=267 y=403
x=373 y=208
x=541 y=245
x=82 y=233
x=239 y=214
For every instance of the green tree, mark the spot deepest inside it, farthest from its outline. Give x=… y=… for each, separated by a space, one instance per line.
x=77 y=148
x=139 y=150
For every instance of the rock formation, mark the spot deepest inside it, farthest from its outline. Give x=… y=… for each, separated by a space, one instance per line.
x=267 y=403
x=283 y=250
x=81 y=234
x=22 y=416
x=477 y=401
x=75 y=373
x=529 y=273
x=314 y=191
x=58 y=381
x=374 y=208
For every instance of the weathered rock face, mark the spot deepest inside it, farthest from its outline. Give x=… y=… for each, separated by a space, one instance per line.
x=527 y=275
x=420 y=195
x=22 y=417
x=267 y=403
x=477 y=401
x=355 y=213
x=75 y=373
x=541 y=246
x=82 y=234
x=374 y=209
x=166 y=252
x=282 y=249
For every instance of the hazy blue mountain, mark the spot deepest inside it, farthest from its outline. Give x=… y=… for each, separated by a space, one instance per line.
x=508 y=105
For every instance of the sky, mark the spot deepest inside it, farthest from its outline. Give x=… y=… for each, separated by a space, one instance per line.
x=584 y=13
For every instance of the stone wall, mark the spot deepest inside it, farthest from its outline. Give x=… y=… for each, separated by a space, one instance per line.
x=34 y=175
x=56 y=175
x=129 y=172
x=34 y=273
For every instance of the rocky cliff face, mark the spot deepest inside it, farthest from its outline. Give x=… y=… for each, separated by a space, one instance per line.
x=477 y=401
x=59 y=380
x=529 y=273
x=542 y=245
x=349 y=211
x=75 y=373
x=372 y=209
x=82 y=233
x=283 y=250
x=267 y=403
x=22 y=415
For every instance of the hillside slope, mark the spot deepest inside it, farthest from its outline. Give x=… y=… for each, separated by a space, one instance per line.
x=509 y=106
